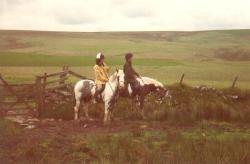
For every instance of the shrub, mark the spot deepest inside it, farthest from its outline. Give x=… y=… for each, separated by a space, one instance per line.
x=186 y=106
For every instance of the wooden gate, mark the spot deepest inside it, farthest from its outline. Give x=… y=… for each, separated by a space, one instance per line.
x=49 y=91
x=55 y=89
x=18 y=98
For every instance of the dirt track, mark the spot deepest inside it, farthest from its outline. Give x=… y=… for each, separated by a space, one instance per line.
x=62 y=133
x=97 y=126
x=57 y=141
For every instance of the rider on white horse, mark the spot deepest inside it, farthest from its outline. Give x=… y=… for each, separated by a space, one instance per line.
x=101 y=76
x=106 y=87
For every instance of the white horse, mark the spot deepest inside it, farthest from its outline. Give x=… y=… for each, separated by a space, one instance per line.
x=85 y=89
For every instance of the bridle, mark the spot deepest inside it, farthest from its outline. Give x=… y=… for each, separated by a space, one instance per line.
x=162 y=95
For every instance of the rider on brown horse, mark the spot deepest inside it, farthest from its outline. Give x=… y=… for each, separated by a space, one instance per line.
x=131 y=75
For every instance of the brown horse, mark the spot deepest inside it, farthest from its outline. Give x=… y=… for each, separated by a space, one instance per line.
x=147 y=85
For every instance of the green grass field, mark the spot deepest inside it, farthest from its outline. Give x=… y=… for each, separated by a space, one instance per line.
x=210 y=58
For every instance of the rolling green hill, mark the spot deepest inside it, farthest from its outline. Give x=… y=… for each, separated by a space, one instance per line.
x=207 y=57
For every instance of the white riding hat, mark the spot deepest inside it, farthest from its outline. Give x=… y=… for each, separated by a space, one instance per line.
x=99 y=55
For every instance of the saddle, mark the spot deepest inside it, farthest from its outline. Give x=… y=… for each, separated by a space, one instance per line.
x=134 y=86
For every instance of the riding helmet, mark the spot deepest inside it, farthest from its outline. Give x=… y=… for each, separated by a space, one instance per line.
x=100 y=56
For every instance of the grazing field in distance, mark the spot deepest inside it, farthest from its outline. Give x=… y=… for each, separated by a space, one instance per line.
x=210 y=58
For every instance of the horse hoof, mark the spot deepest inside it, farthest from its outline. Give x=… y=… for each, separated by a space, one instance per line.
x=106 y=123
x=78 y=120
x=113 y=119
x=90 y=119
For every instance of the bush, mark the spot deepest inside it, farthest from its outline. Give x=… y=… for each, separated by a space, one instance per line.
x=186 y=106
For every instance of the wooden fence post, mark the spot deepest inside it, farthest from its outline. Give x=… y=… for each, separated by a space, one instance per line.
x=39 y=95
x=63 y=75
x=1 y=94
x=234 y=82
x=182 y=77
x=43 y=87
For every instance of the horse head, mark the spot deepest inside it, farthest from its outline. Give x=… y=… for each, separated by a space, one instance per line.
x=153 y=85
x=118 y=78
x=121 y=80
x=114 y=77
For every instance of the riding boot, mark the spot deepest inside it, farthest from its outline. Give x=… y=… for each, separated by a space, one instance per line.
x=98 y=92
x=136 y=91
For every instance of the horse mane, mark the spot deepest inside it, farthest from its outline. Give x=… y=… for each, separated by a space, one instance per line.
x=113 y=77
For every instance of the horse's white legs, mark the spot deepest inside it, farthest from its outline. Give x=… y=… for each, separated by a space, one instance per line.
x=85 y=107
x=133 y=103
x=76 y=108
x=78 y=97
x=109 y=115
x=106 y=112
x=86 y=111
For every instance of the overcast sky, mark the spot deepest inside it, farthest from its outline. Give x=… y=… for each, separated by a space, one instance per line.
x=124 y=15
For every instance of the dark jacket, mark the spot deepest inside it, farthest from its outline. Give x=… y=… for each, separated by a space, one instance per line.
x=129 y=72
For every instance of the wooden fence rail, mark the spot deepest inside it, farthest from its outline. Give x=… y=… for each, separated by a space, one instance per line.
x=232 y=86
x=50 y=88
x=77 y=75
x=54 y=88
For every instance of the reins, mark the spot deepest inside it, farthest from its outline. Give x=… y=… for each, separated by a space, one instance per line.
x=109 y=84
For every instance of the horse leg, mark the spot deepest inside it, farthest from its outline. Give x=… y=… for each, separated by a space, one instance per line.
x=86 y=111
x=106 y=112
x=133 y=102
x=110 y=111
x=77 y=107
x=142 y=102
x=142 y=107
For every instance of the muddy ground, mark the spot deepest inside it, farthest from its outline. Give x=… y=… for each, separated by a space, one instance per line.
x=122 y=141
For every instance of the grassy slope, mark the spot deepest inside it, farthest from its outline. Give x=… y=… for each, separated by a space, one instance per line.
x=162 y=55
